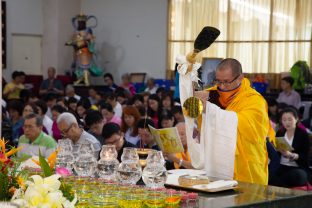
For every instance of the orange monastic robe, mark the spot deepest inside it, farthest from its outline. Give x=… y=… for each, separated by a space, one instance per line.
x=251 y=158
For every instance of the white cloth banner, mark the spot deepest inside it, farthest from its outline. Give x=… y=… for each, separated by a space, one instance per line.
x=216 y=151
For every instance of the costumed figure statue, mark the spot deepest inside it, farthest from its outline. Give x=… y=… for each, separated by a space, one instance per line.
x=84 y=49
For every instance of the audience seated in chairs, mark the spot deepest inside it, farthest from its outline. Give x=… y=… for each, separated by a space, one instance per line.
x=294 y=165
x=51 y=85
x=289 y=95
x=12 y=89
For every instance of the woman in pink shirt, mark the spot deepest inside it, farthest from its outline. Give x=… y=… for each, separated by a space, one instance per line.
x=109 y=114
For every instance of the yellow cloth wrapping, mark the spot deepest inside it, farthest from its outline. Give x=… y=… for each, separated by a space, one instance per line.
x=251 y=158
x=184 y=156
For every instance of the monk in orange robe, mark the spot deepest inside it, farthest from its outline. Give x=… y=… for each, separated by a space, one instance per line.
x=232 y=93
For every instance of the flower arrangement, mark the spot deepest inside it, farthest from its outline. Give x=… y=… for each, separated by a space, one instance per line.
x=10 y=178
x=47 y=191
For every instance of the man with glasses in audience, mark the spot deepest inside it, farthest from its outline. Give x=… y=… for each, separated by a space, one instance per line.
x=233 y=111
x=69 y=128
x=34 y=139
x=113 y=135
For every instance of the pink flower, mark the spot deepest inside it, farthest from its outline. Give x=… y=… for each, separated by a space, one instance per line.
x=64 y=172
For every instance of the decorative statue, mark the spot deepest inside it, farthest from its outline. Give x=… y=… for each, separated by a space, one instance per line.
x=84 y=49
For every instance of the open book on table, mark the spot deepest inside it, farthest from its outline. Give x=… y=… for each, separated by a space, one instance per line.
x=167 y=139
x=283 y=145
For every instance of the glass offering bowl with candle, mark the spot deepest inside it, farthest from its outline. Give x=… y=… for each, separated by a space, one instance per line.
x=129 y=170
x=155 y=174
x=108 y=164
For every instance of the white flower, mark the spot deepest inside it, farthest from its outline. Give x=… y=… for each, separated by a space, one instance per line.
x=43 y=193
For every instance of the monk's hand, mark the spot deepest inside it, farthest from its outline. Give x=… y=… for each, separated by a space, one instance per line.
x=203 y=96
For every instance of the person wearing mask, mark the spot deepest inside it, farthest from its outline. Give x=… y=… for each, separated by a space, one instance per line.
x=233 y=114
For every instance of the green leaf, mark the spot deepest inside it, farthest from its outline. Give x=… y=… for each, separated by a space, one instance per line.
x=22 y=158
x=47 y=171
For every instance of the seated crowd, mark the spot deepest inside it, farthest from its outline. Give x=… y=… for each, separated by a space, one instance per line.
x=121 y=117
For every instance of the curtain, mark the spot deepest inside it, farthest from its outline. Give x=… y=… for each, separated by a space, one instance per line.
x=264 y=35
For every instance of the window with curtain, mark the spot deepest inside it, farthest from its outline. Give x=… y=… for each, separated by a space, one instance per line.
x=266 y=36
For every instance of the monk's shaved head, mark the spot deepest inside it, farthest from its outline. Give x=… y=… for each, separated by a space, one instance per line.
x=230 y=63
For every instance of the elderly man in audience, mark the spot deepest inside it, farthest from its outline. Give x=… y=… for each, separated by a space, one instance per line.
x=68 y=125
x=34 y=139
x=51 y=85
